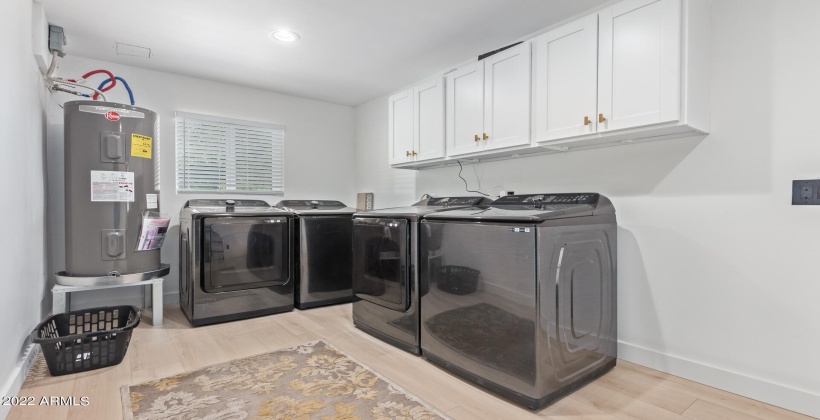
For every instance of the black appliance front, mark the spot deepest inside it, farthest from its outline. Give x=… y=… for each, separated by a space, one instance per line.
x=186 y=269
x=244 y=268
x=325 y=260
x=524 y=309
x=385 y=299
x=380 y=268
x=244 y=253
x=481 y=313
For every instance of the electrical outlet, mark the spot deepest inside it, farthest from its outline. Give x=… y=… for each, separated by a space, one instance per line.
x=806 y=192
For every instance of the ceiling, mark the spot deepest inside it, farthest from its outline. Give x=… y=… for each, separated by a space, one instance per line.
x=349 y=52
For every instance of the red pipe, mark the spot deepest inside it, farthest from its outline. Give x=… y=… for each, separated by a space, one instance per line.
x=110 y=76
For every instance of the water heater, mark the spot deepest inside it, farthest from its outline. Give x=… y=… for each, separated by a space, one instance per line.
x=111 y=194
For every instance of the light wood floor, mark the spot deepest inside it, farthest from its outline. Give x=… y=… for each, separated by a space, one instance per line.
x=627 y=392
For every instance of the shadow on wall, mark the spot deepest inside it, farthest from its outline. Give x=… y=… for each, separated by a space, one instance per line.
x=632 y=170
x=46 y=104
x=169 y=254
x=684 y=295
x=394 y=188
x=55 y=200
x=637 y=314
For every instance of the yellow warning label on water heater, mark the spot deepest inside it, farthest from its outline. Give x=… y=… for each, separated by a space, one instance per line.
x=141 y=146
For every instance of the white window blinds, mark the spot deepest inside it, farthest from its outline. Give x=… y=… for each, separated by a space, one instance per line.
x=223 y=155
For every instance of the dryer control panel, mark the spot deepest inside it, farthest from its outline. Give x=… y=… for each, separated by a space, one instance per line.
x=226 y=203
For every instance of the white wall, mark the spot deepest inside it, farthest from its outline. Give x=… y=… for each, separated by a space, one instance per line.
x=319 y=148
x=393 y=188
x=22 y=136
x=716 y=269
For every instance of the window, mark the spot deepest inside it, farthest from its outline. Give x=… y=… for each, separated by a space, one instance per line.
x=223 y=155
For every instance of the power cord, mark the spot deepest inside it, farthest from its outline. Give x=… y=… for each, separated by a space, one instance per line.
x=477 y=178
x=466 y=187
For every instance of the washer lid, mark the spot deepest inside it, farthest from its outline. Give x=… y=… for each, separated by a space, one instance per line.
x=316 y=207
x=431 y=205
x=532 y=208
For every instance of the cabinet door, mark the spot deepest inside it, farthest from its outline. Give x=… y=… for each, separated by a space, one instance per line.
x=507 y=97
x=566 y=80
x=465 y=107
x=400 y=127
x=429 y=119
x=639 y=63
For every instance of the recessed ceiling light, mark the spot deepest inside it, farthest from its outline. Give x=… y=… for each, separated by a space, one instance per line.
x=284 y=35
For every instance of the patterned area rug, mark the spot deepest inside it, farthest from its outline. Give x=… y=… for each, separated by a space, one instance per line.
x=311 y=381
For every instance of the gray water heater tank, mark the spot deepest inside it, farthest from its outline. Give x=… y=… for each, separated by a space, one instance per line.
x=110 y=156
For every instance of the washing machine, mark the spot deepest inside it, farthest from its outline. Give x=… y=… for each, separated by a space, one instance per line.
x=523 y=299
x=235 y=260
x=386 y=288
x=323 y=240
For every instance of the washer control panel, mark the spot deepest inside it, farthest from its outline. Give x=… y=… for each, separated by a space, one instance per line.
x=538 y=199
x=455 y=201
x=310 y=203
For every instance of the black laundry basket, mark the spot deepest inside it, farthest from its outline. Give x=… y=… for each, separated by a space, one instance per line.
x=87 y=339
x=457 y=280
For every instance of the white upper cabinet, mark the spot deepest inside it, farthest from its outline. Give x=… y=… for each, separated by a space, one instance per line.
x=465 y=109
x=400 y=127
x=488 y=103
x=565 y=80
x=507 y=98
x=428 y=117
x=416 y=123
x=639 y=69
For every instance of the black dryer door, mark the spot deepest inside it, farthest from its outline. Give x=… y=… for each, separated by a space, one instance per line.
x=245 y=253
x=380 y=262
x=325 y=253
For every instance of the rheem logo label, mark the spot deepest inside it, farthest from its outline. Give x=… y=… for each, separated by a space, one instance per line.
x=112 y=116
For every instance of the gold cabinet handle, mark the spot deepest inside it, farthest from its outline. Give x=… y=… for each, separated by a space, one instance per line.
x=486 y=136
x=407 y=153
x=414 y=153
x=601 y=118
x=476 y=138
x=587 y=121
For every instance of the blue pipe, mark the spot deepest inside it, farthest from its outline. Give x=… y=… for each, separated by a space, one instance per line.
x=124 y=83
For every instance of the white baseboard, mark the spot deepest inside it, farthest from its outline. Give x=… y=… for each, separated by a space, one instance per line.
x=780 y=395
x=18 y=375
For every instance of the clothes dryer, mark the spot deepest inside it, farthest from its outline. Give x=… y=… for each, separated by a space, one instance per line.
x=524 y=299
x=323 y=254
x=235 y=260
